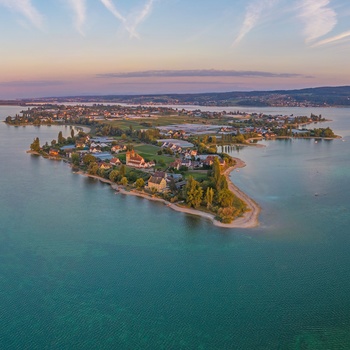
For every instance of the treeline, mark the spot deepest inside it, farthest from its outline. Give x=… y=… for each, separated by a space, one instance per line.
x=213 y=195
x=319 y=132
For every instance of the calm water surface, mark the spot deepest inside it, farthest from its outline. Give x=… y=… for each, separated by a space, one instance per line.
x=84 y=268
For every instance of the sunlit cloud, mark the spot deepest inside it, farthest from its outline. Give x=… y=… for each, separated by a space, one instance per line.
x=79 y=8
x=333 y=39
x=26 y=8
x=252 y=17
x=197 y=73
x=319 y=19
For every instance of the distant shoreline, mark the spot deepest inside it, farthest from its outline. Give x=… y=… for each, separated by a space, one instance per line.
x=250 y=218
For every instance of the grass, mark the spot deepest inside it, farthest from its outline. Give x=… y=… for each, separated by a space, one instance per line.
x=163 y=120
x=197 y=174
x=150 y=152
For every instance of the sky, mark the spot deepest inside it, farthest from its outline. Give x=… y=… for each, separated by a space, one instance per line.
x=99 y=47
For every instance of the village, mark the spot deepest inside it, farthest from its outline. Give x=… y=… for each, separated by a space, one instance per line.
x=161 y=152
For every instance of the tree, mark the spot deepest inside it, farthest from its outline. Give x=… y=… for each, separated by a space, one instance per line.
x=88 y=159
x=114 y=175
x=221 y=184
x=60 y=138
x=75 y=159
x=216 y=170
x=35 y=146
x=93 y=168
x=124 y=181
x=209 y=196
x=122 y=170
x=225 y=198
x=72 y=133
x=226 y=215
x=140 y=183
x=193 y=192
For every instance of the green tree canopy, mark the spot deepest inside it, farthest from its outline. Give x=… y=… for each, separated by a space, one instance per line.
x=140 y=183
x=113 y=175
x=225 y=198
x=88 y=159
x=35 y=145
x=75 y=159
x=124 y=181
x=193 y=192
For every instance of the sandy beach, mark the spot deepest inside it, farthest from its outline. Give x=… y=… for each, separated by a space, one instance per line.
x=250 y=218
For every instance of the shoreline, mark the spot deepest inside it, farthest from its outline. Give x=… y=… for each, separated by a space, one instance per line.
x=250 y=218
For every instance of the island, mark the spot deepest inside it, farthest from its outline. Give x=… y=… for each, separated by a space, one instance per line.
x=175 y=156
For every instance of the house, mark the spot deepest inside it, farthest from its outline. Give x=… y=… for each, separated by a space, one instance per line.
x=53 y=152
x=115 y=161
x=118 y=148
x=209 y=160
x=80 y=144
x=96 y=149
x=105 y=166
x=176 y=164
x=161 y=174
x=156 y=182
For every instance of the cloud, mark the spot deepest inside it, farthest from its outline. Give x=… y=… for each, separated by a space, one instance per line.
x=197 y=73
x=79 y=7
x=133 y=20
x=333 y=39
x=319 y=19
x=252 y=17
x=26 y=8
x=110 y=6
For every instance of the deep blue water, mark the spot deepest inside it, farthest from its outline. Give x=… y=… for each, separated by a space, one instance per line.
x=84 y=268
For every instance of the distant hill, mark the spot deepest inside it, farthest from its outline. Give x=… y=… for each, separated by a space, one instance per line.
x=320 y=96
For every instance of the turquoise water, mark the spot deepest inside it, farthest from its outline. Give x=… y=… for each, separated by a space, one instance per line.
x=84 y=268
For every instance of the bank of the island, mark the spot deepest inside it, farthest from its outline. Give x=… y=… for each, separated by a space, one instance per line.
x=249 y=219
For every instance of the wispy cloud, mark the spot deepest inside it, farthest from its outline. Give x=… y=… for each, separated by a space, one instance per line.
x=333 y=39
x=132 y=21
x=318 y=18
x=135 y=20
x=252 y=17
x=110 y=6
x=79 y=8
x=197 y=73
x=26 y=8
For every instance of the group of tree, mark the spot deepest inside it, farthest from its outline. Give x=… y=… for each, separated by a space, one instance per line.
x=214 y=195
x=35 y=145
x=120 y=174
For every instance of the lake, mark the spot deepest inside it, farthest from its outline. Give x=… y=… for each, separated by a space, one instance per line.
x=84 y=268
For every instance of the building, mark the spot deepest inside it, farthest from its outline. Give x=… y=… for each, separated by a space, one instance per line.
x=53 y=152
x=115 y=161
x=156 y=182
x=135 y=160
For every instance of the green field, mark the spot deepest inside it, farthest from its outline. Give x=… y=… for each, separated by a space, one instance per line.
x=150 y=152
x=137 y=124
x=197 y=174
